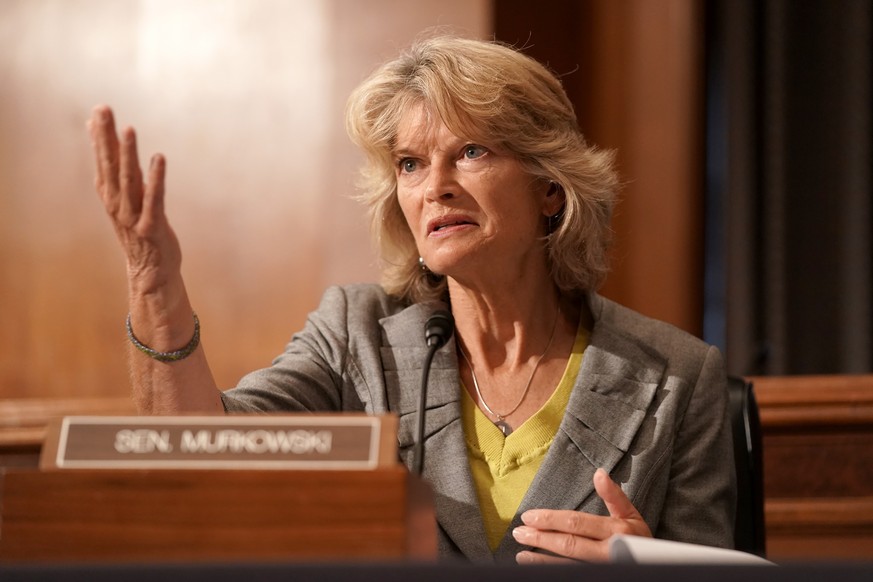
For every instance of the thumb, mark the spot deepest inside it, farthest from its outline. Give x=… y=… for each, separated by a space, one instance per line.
x=616 y=501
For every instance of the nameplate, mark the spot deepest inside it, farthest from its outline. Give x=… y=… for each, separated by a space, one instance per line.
x=300 y=441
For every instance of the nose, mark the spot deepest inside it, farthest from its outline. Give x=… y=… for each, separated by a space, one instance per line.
x=442 y=184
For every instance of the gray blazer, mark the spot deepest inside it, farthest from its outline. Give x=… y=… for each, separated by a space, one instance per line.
x=649 y=406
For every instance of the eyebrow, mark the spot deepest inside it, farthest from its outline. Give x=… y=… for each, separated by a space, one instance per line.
x=404 y=152
x=407 y=150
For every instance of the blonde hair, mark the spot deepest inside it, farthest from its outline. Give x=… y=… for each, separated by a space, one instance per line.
x=497 y=96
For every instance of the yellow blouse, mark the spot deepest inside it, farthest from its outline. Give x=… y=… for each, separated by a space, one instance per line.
x=504 y=467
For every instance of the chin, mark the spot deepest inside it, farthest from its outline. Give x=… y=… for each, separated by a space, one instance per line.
x=451 y=262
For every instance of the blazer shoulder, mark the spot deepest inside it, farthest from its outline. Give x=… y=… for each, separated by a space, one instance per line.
x=368 y=300
x=663 y=337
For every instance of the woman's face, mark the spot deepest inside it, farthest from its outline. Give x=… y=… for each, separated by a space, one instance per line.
x=472 y=209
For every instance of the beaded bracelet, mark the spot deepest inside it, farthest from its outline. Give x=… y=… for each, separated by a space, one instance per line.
x=173 y=356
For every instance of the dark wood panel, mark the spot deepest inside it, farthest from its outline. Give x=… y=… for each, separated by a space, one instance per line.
x=797 y=403
x=818 y=465
x=797 y=516
x=823 y=464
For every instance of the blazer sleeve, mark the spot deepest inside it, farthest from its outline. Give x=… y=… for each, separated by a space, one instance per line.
x=700 y=501
x=309 y=374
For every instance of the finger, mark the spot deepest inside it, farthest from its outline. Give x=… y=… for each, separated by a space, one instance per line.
x=130 y=178
x=617 y=503
x=573 y=522
x=153 y=199
x=91 y=124
x=626 y=518
x=560 y=543
x=105 y=143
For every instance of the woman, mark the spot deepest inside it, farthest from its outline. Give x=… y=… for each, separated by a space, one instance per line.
x=485 y=199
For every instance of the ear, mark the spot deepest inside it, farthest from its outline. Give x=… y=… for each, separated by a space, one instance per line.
x=554 y=199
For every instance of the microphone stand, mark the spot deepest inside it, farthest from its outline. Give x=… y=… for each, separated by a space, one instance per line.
x=437 y=331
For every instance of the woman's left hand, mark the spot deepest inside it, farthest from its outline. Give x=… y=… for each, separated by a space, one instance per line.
x=574 y=535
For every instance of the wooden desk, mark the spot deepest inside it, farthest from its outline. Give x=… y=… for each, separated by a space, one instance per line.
x=23 y=423
x=118 y=516
x=818 y=458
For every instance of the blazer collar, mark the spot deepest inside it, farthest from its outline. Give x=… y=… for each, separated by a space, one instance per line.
x=616 y=384
x=445 y=465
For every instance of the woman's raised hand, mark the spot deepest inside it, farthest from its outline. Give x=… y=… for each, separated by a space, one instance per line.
x=574 y=535
x=160 y=311
x=135 y=204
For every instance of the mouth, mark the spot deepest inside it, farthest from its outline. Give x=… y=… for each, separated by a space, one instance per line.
x=448 y=223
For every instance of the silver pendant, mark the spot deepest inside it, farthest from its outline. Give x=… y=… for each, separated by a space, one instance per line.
x=503 y=426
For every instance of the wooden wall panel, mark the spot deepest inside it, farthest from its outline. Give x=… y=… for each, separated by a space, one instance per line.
x=246 y=100
x=634 y=70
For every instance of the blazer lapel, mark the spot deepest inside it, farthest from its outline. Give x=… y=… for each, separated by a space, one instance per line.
x=616 y=384
x=445 y=468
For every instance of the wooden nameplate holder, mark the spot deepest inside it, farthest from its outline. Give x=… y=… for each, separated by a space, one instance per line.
x=218 y=488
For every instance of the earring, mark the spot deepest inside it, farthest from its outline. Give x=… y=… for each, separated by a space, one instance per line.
x=554 y=221
x=422 y=265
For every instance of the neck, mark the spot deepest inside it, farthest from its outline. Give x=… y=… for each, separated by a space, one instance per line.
x=511 y=326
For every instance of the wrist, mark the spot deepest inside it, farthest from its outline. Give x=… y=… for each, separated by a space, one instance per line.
x=161 y=317
x=166 y=356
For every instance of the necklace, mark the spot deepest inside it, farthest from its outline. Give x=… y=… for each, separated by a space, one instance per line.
x=501 y=418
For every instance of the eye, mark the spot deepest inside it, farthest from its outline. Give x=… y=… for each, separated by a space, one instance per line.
x=407 y=165
x=473 y=151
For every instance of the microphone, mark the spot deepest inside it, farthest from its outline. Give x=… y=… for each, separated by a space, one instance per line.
x=437 y=331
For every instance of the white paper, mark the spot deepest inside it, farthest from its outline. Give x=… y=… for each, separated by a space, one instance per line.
x=642 y=550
